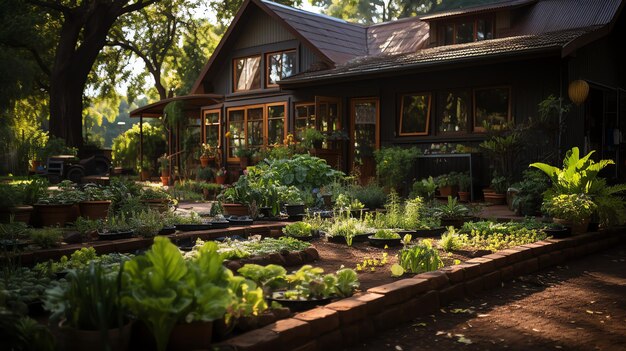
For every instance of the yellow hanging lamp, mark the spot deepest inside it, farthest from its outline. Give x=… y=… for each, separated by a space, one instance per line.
x=578 y=91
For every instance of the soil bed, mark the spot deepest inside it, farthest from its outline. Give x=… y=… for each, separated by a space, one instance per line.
x=577 y=306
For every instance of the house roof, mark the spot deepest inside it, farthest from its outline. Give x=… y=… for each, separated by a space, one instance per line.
x=192 y=104
x=496 y=5
x=395 y=37
x=511 y=47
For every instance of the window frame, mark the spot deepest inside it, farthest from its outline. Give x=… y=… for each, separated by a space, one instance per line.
x=307 y=105
x=267 y=65
x=219 y=125
x=480 y=129
x=265 y=126
x=428 y=115
x=234 y=76
x=456 y=22
x=441 y=105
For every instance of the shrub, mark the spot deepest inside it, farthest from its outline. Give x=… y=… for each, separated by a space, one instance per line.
x=46 y=237
x=420 y=258
x=393 y=164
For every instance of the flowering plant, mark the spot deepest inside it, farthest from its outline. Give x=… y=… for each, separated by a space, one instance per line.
x=221 y=172
x=209 y=150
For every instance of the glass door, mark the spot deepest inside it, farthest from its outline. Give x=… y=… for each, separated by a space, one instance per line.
x=364 y=135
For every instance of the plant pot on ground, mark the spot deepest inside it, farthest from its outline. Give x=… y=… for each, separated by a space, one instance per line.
x=96 y=202
x=573 y=211
x=448 y=184
x=498 y=196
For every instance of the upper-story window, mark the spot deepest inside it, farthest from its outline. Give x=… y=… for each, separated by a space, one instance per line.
x=279 y=65
x=247 y=73
x=466 y=30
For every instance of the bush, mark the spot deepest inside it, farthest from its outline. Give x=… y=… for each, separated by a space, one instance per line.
x=46 y=237
x=371 y=195
x=126 y=146
x=393 y=164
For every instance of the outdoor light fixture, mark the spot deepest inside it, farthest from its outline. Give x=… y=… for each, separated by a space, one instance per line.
x=121 y=123
x=578 y=91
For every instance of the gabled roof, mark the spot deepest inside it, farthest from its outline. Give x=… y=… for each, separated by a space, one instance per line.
x=510 y=47
x=191 y=104
x=395 y=37
x=496 y=5
x=337 y=39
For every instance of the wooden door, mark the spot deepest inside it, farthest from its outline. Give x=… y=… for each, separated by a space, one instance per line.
x=364 y=135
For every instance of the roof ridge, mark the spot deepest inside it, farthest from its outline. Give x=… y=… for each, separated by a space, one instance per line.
x=295 y=9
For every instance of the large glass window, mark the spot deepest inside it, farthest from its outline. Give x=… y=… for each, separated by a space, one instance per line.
x=453 y=112
x=415 y=114
x=304 y=116
x=255 y=126
x=247 y=73
x=484 y=29
x=212 y=127
x=280 y=65
x=492 y=106
x=466 y=31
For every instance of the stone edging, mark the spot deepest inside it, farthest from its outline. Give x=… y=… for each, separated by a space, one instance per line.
x=357 y=318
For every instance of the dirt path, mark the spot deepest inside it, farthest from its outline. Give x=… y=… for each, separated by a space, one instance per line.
x=581 y=306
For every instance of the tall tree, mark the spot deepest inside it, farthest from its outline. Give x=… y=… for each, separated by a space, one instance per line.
x=225 y=10
x=84 y=28
x=374 y=11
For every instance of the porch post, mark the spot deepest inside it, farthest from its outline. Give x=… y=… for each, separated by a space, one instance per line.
x=140 y=141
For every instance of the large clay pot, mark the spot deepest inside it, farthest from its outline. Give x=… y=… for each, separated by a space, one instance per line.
x=160 y=205
x=94 y=209
x=145 y=175
x=220 y=179
x=52 y=215
x=235 y=209
x=464 y=196
x=79 y=340
x=20 y=214
x=495 y=198
x=204 y=161
x=191 y=336
x=577 y=227
x=165 y=181
x=449 y=190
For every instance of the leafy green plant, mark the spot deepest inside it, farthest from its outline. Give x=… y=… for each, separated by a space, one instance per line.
x=371 y=195
x=393 y=164
x=67 y=193
x=499 y=184
x=445 y=180
x=93 y=192
x=204 y=174
x=464 y=181
x=487 y=235
x=310 y=137
x=302 y=171
x=255 y=246
x=298 y=230
x=530 y=192
x=419 y=258
x=90 y=300
x=573 y=207
x=20 y=286
x=46 y=237
x=425 y=188
x=386 y=234
x=118 y=223
x=452 y=209
x=450 y=240
x=147 y=223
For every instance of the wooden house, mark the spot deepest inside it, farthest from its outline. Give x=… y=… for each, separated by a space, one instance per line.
x=429 y=81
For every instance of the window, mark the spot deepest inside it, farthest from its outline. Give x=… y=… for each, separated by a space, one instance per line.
x=212 y=127
x=466 y=31
x=304 y=116
x=255 y=126
x=414 y=114
x=247 y=73
x=491 y=105
x=279 y=65
x=453 y=112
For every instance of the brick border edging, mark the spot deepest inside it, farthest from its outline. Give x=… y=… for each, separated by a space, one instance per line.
x=354 y=319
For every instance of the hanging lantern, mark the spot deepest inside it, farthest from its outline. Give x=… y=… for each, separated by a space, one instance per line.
x=578 y=91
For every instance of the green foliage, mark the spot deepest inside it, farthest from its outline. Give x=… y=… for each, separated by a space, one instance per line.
x=255 y=246
x=424 y=188
x=93 y=192
x=449 y=179
x=386 y=234
x=393 y=164
x=420 y=258
x=126 y=146
x=303 y=171
x=89 y=300
x=530 y=192
x=147 y=223
x=23 y=333
x=55 y=146
x=46 y=237
x=450 y=240
x=464 y=181
x=204 y=173
x=371 y=195
x=499 y=184
x=452 y=209
x=80 y=259
x=572 y=207
x=66 y=194
x=492 y=236
x=226 y=10
x=20 y=286
x=310 y=137
x=161 y=288
x=297 y=230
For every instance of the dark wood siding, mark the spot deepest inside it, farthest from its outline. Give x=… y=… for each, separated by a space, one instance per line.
x=261 y=29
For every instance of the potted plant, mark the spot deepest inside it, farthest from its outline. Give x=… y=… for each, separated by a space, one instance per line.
x=312 y=138
x=425 y=188
x=176 y=299
x=385 y=237
x=499 y=186
x=156 y=199
x=116 y=227
x=237 y=198
x=571 y=210
x=393 y=165
x=299 y=230
x=145 y=169
x=220 y=175
x=204 y=174
x=244 y=154
x=164 y=167
x=147 y=224
x=464 y=183
x=452 y=213
x=57 y=208
x=447 y=184
x=527 y=201
x=294 y=206
x=89 y=309
x=96 y=203
x=209 y=153
x=12 y=205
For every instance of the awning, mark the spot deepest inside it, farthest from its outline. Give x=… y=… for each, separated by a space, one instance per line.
x=192 y=104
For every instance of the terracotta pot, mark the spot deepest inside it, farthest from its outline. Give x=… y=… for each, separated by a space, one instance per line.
x=165 y=181
x=577 y=227
x=145 y=175
x=191 y=336
x=94 y=209
x=220 y=179
x=235 y=209
x=20 y=214
x=78 y=340
x=204 y=161
x=52 y=215
x=449 y=190
x=165 y=173
x=464 y=196
x=243 y=162
x=495 y=198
